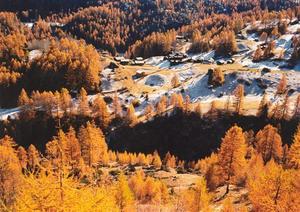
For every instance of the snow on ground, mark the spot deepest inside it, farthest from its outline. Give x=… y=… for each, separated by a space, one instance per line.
x=199 y=90
x=34 y=54
x=273 y=65
x=252 y=36
x=165 y=64
x=155 y=80
x=12 y=113
x=285 y=41
x=106 y=72
x=182 y=67
x=186 y=74
x=293 y=28
x=29 y=25
x=204 y=56
x=196 y=85
x=154 y=61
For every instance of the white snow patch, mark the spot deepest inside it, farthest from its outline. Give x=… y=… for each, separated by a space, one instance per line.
x=154 y=61
x=155 y=80
x=293 y=28
x=34 y=54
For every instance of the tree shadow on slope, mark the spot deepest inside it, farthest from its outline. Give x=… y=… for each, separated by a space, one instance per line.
x=189 y=136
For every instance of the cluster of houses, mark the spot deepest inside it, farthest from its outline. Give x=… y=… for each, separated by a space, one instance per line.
x=123 y=61
x=176 y=58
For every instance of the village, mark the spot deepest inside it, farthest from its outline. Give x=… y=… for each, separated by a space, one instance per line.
x=145 y=80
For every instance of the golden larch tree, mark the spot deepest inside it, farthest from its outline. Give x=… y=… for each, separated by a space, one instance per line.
x=33 y=158
x=23 y=98
x=124 y=196
x=65 y=101
x=131 y=118
x=117 y=106
x=227 y=205
x=73 y=148
x=198 y=109
x=175 y=81
x=10 y=172
x=93 y=145
x=282 y=86
x=239 y=94
x=187 y=104
x=274 y=189
x=156 y=160
x=294 y=151
x=149 y=111
x=22 y=155
x=197 y=198
x=269 y=144
x=161 y=106
x=101 y=111
x=232 y=155
x=83 y=103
